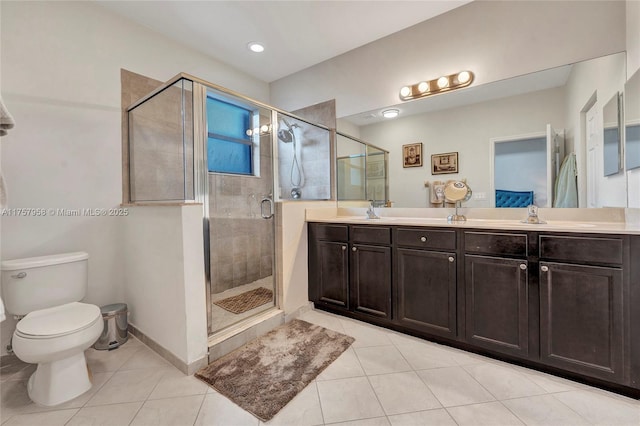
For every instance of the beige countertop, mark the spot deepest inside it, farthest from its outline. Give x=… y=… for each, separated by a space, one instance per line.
x=604 y=222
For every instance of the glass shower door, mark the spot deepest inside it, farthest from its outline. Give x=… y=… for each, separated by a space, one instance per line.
x=240 y=209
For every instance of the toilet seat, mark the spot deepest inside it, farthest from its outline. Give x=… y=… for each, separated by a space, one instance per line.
x=58 y=321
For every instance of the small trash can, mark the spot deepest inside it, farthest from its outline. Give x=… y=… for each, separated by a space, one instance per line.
x=115 y=326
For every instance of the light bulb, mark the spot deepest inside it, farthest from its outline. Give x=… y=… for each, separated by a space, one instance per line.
x=423 y=87
x=443 y=82
x=463 y=77
x=264 y=128
x=405 y=91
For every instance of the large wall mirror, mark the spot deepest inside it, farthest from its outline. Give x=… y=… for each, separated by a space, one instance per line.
x=361 y=171
x=570 y=100
x=632 y=121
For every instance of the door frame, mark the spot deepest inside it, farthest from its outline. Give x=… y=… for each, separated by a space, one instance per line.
x=492 y=160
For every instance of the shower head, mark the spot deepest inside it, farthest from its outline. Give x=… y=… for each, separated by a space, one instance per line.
x=286 y=123
x=285 y=135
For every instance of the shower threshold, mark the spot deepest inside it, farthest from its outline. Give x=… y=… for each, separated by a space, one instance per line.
x=231 y=338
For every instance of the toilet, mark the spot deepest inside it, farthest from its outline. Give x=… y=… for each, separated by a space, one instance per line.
x=55 y=328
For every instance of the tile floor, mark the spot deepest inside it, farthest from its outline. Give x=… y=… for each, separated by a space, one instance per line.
x=385 y=378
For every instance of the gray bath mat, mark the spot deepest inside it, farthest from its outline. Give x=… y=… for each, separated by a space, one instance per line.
x=265 y=374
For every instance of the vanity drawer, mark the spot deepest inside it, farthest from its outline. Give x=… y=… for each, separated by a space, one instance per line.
x=371 y=234
x=426 y=238
x=496 y=243
x=581 y=249
x=332 y=232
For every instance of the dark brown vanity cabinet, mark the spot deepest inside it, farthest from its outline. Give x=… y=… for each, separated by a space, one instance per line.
x=350 y=268
x=497 y=292
x=370 y=277
x=565 y=302
x=425 y=280
x=329 y=265
x=582 y=306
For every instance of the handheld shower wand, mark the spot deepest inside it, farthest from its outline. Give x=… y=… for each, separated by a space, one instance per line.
x=296 y=174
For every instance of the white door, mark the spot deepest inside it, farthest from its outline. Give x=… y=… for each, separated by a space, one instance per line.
x=593 y=138
x=555 y=155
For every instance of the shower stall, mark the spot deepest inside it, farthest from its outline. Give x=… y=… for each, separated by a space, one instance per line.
x=191 y=141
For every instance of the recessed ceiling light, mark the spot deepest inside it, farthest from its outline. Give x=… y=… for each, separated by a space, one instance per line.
x=390 y=113
x=255 y=47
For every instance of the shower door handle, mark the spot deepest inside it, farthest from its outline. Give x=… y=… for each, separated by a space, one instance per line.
x=269 y=214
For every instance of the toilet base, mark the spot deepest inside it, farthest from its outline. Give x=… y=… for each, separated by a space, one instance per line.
x=59 y=381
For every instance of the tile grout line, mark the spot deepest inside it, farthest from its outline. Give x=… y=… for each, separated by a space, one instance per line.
x=199 y=409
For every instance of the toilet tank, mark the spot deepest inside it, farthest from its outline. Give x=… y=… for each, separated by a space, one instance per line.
x=43 y=282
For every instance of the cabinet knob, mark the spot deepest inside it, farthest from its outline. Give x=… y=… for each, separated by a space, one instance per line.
x=344 y=248
x=423 y=239
x=523 y=266
x=451 y=259
x=354 y=249
x=544 y=268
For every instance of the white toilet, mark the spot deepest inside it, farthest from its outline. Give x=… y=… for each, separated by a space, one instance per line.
x=56 y=328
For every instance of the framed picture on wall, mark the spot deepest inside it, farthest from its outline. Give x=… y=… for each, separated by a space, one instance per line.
x=444 y=163
x=412 y=155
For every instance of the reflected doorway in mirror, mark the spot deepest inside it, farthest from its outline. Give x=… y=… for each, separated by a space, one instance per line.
x=444 y=163
x=412 y=155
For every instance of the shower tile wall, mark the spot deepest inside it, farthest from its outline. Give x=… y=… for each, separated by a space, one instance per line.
x=314 y=153
x=242 y=246
x=133 y=87
x=157 y=150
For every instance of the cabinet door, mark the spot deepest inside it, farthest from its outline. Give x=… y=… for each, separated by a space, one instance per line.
x=581 y=319
x=371 y=280
x=331 y=265
x=497 y=304
x=426 y=291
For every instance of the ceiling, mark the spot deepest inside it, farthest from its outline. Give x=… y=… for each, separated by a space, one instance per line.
x=296 y=34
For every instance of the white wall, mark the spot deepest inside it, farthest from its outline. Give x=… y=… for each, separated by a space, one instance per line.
x=466 y=130
x=164 y=283
x=60 y=78
x=348 y=128
x=291 y=240
x=494 y=39
x=633 y=65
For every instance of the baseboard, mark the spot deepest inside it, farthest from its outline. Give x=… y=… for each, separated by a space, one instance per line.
x=188 y=369
x=298 y=312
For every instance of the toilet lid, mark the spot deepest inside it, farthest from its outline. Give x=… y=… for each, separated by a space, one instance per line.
x=59 y=320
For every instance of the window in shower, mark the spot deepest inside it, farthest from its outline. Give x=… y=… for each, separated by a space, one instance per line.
x=229 y=145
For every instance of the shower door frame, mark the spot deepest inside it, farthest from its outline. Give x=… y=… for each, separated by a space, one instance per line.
x=201 y=182
x=201 y=172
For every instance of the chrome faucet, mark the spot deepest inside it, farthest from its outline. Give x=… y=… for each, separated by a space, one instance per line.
x=371 y=212
x=532 y=215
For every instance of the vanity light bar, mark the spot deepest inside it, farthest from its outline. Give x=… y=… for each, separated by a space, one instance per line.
x=439 y=85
